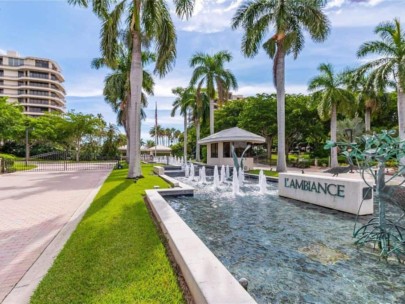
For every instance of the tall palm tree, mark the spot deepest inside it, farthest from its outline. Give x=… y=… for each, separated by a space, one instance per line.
x=145 y=22
x=389 y=69
x=367 y=95
x=209 y=71
x=182 y=103
x=287 y=20
x=117 y=87
x=331 y=96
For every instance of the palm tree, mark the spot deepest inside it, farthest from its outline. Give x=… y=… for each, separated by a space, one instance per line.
x=145 y=22
x=183 y=102
x=367 y=95
x=210 y=71
x=286 y=20
x=389 y=69
x=117 y=87
x=331 y=96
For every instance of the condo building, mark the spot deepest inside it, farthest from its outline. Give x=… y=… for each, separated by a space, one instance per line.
x=34 y=83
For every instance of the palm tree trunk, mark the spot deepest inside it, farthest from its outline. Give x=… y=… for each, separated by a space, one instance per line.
x=185 y=137
x=367 y=119
x=333 y=151
x=280 y=88
x=211 y=116
x=134 y=109
x=269 y=141
x=401 y=117
x=197 y=131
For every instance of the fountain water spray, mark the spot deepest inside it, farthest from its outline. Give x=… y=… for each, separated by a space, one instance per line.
x=186 y=171
x=216 y=177
x=235 y=183
x=191 y=174
x=227 y=173
x=223 y=178
x=241 y=176
x=203 y=177
x=262 y=182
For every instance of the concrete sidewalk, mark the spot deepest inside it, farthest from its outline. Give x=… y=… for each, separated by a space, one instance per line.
x=38 y=212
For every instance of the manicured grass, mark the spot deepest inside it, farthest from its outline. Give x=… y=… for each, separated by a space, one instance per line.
x=115 y=255
x=23 y=167
x=266 y=172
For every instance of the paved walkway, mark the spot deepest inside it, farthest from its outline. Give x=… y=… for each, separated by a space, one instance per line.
x=38 y=209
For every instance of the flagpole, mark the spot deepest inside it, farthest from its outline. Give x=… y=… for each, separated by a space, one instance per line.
x=156 y=123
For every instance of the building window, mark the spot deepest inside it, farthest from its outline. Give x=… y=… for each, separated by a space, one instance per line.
x=15 y=61
x=39 y=75
x=1 y=82
x=1 y=73
x=41 y=64
x=214 y=150
x=227 y=149
x=1 y=91
x=1 y=60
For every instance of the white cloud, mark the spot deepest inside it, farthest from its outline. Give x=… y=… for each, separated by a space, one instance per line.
x=2 y=52
x=85 y=85
x=163 y=87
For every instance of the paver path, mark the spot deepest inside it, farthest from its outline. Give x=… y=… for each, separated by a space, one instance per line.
x=34 y=207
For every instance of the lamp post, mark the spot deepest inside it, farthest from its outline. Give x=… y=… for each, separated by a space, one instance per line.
x=27 y=146
x=349 y=133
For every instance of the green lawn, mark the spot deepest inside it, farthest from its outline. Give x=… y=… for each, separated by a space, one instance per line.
x=23 y=167
x=115 y=255
x=266 y=172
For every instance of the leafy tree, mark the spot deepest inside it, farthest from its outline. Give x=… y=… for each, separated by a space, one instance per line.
x=228 y=116
x=11 y=119
x=259 y=116
x=113 y=140
x=389 y=68
x=77 y=126
x=145 y=22
x=287 y=20
x=209 y=71
x=355 y=124
x=331 y=97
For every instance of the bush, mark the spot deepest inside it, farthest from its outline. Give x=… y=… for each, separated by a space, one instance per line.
x=8 y=165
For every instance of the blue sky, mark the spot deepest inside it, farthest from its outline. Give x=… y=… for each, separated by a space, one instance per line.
x=70 y=35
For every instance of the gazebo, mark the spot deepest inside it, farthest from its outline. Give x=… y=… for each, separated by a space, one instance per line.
x=219 y=146
x=123 y=151
x=160 y=151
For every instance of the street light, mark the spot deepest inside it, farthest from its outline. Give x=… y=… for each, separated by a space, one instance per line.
x=349 y=133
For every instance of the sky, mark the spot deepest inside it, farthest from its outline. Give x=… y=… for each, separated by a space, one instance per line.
x=70 y=36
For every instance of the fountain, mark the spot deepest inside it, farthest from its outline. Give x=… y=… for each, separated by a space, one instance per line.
x=186 y=170
x=191 y=174
x=262 y=182
x=216 y=177
x=203 y=177
x=227 y=173
x=235 y=183
x=223 y=177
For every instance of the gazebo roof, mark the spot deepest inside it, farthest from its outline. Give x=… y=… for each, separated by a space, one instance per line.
x=160 y=148
x=233 y=134
x=124 y=148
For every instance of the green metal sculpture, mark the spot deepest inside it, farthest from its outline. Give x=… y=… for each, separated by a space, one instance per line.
x=235 y=157
x=371 y=155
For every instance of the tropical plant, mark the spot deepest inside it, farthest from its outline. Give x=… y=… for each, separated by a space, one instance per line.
x=331 y=97
x=366 y=94
x=209 y=71
x=287 y=20
x=389 y=68
x=11 y=119
x=145 y=22
x=182 y=103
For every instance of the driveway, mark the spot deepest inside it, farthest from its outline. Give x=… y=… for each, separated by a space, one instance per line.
x=38 y=212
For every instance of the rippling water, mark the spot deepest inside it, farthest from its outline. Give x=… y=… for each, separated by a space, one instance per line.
x=291 y=252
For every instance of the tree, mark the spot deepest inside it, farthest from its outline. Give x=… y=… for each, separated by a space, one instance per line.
x=287 y=20
x=371 y=97
x=331 y=96
x=389 y=68
x=11 y=119
x=258 y=116
x=182 y=103
x=145 y=22
x=209 y=71
x=228 y=116
x=77 y=126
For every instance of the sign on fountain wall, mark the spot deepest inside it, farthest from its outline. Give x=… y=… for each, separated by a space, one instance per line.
x=342 y=194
